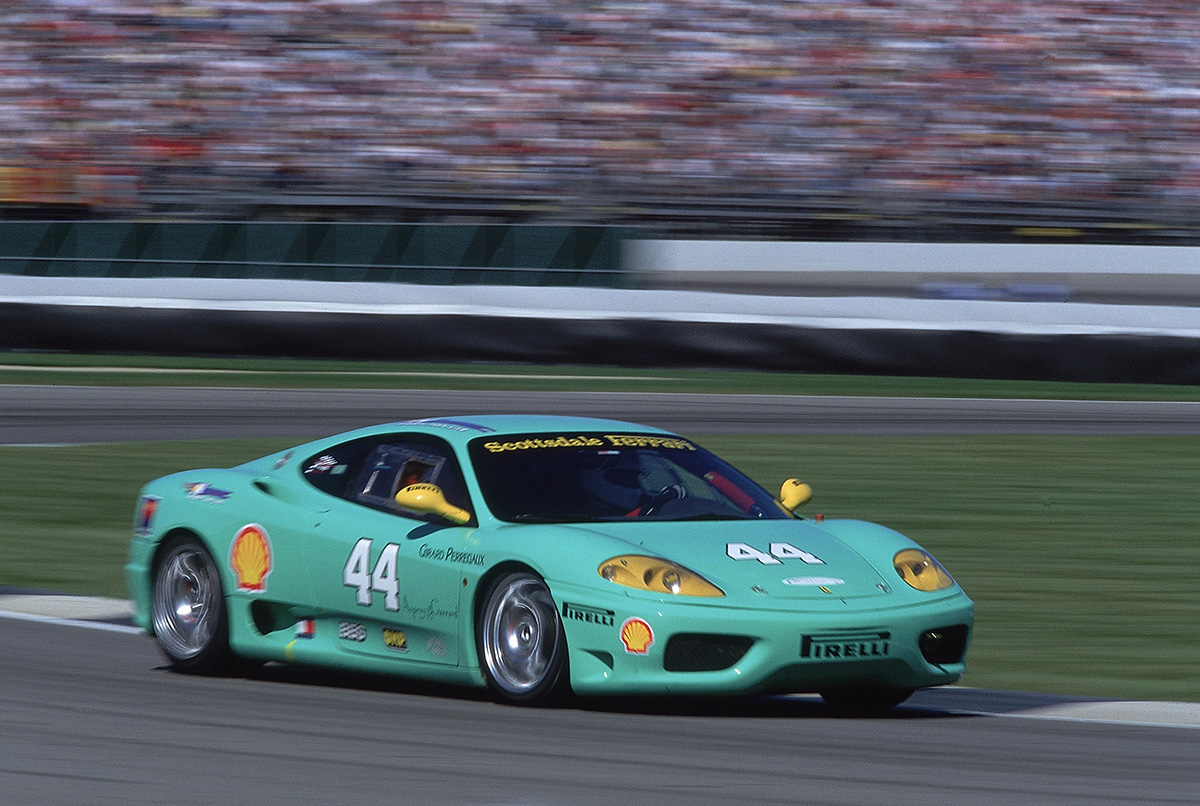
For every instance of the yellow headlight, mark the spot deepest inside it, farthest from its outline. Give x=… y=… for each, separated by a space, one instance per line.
x=921 y=571
x=656 y=575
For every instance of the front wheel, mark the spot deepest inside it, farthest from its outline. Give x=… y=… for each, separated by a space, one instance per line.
x=188 y=609
x=522 y=647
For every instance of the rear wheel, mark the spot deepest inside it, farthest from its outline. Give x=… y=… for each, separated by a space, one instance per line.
x=188 y=609
x=522 y=647
x=865 y=701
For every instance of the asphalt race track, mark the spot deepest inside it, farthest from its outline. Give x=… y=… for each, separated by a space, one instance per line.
x=89 y=714
x=71 y=414
x=92 y=717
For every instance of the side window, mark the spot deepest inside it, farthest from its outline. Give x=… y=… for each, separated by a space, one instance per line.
x=331 y=471
x=394 y=465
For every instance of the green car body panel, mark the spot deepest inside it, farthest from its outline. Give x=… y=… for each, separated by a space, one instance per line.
x=312 y=576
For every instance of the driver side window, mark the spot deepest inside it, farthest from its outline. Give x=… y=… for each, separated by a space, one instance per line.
x=370 y=471
x=394 y=465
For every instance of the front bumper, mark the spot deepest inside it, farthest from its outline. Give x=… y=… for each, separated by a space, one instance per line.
x=631 y=646
x=137 y=578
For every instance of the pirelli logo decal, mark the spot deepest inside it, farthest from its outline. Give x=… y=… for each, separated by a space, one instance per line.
x=591 y=615
x=848 y=645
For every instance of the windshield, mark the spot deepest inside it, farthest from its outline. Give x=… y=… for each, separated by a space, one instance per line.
x=579 y=478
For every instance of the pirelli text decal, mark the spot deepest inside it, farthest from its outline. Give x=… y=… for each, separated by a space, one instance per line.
x=864 y=644
x=586 y=613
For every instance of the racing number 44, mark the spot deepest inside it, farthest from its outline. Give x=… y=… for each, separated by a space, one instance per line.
x=778 y=553
x=381 y=579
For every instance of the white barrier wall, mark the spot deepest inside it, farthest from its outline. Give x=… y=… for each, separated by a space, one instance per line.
x=936 y=258
x=925 y=310
x=1054 y=272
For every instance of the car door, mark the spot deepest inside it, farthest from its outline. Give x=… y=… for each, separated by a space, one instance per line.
x=392 y=576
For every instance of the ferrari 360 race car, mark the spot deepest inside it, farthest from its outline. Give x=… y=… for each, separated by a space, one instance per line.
x=538 y=556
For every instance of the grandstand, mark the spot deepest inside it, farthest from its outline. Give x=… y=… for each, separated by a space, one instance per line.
x=927 y=119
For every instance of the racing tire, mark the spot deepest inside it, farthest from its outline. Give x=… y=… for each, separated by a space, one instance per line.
x=188 y=613
x=521 y=643
x=866 y=701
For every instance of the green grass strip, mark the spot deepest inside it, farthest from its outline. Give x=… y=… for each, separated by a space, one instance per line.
x=48 y=368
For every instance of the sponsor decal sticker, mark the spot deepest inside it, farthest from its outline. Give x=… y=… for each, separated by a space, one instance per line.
x=849 y=645
x=202 y=491
x=551 y=442
x=322 y=465
x=395 y=639
x=609 y=440
x=436 y=647
x=464 y=557
x=147 y=508
x=428 y=612
x=349 y=631
x=637 y=636
x=673 y=443
x=250 y=558
x=814 y=582
x=451 y=556
x=283 y=460
x=306 y=628
x=588 y=614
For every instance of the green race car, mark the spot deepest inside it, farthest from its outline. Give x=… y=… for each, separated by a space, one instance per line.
x=538 y=556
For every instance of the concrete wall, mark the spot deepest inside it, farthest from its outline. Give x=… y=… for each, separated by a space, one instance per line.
x=1032 y=271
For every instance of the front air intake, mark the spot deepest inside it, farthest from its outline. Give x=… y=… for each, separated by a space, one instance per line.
x=696 y=652
x=944 y=644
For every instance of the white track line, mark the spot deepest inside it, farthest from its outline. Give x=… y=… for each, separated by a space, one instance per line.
x=1132 y=713
x=68 y=622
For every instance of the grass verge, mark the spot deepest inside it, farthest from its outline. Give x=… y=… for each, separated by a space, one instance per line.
x=46 y=368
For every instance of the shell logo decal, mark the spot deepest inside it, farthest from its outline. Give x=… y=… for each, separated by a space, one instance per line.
x=637 y=636
x=250 y=558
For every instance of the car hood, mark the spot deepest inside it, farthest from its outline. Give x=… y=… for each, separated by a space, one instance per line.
x=776 y=559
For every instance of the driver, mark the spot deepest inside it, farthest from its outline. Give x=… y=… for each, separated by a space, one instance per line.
x=611 y=479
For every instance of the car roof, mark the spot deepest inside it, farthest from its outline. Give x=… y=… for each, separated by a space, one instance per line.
x=464 y=428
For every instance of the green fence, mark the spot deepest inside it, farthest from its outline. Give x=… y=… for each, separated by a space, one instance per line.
x=408 y=253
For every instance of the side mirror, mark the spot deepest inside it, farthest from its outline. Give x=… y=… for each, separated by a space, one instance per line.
x=794 y=494
x=430 y=499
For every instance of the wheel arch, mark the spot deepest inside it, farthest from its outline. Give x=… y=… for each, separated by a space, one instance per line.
x=165 y=540
x=193 y=649
x=482 y=586
x=471 y=641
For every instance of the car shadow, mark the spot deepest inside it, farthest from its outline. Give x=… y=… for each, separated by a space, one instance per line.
x=787 y=706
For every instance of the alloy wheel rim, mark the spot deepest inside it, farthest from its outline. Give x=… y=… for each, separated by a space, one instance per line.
x=520 y=636
x=184 y=613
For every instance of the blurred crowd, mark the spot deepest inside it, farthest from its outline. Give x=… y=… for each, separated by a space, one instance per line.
x=578 y=106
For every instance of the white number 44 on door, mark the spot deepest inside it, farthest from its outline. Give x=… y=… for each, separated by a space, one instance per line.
x=382 y=579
